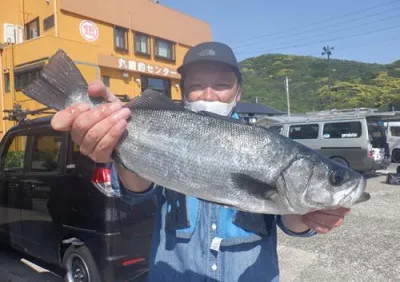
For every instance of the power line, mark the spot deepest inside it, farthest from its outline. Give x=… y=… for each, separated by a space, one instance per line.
x=329 y=40
x=365 y=44
x=324 y=27
x=285 y=43
x=319 y=22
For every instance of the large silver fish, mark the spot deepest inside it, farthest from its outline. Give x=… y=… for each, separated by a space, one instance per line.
x=246 y=167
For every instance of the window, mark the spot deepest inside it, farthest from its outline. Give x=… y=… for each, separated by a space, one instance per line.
x=48 y=22
x=6 y=82
x=142 y=44
x=165 y=49
x=23 y=79
x=32 y=29
x=46 y=153
x=121 y=38
x=106 y=80
x=158 y=84
x=303 y=131
x=395 y=130
x=13 y=160
x=342 y=130
x=277 y=128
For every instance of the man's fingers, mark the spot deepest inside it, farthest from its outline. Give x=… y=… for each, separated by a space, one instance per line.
x=328 y=220
x=63 y=120
x=339 y=211
x=102 y=152
x=87 y=120
x=317 y=227
x=100 y=129
x=98 y=89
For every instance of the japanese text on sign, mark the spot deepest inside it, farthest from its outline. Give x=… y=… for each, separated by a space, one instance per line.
x=143 y=67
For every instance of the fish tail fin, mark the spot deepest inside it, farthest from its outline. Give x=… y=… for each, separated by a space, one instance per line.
x=59 y=81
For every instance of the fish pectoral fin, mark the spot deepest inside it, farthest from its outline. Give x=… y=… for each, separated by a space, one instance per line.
x=253 y=186
x=153 y=100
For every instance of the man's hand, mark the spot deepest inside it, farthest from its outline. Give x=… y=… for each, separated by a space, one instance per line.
x=98 y=130
x=325 y=220
x=321 y=221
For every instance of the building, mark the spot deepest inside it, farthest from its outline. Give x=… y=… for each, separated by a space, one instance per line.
x=130 y=45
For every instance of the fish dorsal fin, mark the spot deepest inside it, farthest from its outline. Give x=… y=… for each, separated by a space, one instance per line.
x=153 y=100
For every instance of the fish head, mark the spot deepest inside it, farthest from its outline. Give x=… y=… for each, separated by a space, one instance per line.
x=315 y=183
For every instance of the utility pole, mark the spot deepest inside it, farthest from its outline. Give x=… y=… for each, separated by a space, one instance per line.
x=328 y=51
x=287 y=95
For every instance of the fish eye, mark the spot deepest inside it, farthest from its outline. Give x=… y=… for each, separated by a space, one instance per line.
x=337 y=177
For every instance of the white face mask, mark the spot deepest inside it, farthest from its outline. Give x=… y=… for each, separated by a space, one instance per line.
x=216 y=107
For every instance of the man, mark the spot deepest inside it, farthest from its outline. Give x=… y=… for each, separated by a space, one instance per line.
x=194 y=240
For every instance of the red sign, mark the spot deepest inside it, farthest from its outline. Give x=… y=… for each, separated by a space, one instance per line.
x=89 y=30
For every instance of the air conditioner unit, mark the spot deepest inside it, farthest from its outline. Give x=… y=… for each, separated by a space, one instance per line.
x=8 y=33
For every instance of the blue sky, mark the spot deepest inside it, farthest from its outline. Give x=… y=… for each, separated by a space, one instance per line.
x=366 y=31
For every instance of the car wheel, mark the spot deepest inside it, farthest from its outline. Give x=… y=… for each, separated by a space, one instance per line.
x=396 y=156
x=341 y=161
x=80 y=265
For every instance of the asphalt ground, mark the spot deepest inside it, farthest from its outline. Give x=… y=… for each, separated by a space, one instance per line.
x=365 y=248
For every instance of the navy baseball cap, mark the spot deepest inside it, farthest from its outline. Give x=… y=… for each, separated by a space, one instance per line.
x=210 y=52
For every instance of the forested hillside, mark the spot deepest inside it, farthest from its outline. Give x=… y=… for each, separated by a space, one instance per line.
x=353 y=84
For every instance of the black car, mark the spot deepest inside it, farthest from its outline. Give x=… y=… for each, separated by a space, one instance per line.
x=56 y=205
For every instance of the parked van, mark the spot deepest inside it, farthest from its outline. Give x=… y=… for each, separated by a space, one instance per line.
x=353 y=138
x=393 y=136
x=54 y=206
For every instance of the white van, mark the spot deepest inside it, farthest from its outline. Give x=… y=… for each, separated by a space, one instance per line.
x=353 y=138
x=393 y=137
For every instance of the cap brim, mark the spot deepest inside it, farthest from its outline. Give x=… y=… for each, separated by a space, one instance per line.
x=182 y=69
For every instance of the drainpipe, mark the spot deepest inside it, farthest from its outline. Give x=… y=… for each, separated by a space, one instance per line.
x=55 y=6
x=2 y=92
x=22 y=13
x=12 y=74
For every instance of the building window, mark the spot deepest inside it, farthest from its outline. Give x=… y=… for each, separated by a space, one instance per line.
x=23 y=79
x=6 y=82
x=142 y=44
x=48 y=22
x=121 y=38
x=158 y=84
x=165 y=49
x=32 y=29
x=106 y=80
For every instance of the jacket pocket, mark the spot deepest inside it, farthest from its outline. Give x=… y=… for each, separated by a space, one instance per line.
x=182 y=214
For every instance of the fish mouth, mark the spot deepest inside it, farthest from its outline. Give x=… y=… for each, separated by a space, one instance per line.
x=357 y=195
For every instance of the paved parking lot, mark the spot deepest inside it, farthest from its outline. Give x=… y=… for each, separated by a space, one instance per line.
x=17 y=267
x=365 y=248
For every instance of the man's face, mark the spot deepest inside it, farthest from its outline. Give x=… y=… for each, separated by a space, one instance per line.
x=211 y=82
